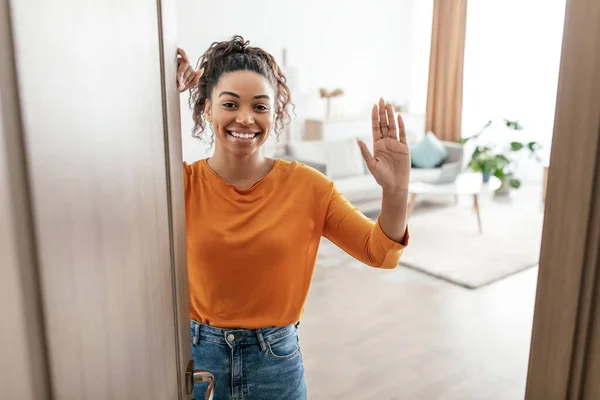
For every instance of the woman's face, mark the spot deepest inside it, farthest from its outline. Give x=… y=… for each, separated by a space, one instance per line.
x=241 y=110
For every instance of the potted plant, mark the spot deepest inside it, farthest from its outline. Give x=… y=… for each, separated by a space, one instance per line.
x=485 y=161
x=499 y=160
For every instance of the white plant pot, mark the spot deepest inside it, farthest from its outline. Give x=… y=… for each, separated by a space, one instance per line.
x=505 y=186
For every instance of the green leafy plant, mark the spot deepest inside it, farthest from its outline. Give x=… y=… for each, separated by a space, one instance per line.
x=499 y=162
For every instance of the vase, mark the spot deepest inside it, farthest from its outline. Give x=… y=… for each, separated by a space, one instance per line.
x=486 y=176
x=505 y=187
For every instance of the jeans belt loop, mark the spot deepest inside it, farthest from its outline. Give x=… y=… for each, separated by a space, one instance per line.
x=261 y=340
x=196 y=334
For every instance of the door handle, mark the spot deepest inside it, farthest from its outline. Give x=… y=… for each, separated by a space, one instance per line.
x=198 y=376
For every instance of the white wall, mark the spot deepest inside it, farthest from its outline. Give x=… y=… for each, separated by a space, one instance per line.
x=371 y=49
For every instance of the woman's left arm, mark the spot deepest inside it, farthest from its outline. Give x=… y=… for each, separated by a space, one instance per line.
x=390 y=166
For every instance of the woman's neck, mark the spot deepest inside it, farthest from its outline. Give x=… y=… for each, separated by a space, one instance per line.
x=242 y=172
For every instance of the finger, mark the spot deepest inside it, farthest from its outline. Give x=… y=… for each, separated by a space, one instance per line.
x=402 y=129
x=181 y=67
x=183 y=55
x=187 y=75
x=192 y=80
x=196 y=78
x=364 y=150
x=180 y=74
x=375 y=123
x=383 y=122
x=390 y=117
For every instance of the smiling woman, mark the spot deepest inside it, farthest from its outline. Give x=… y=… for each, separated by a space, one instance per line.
x=254 y=224
x=241 y=111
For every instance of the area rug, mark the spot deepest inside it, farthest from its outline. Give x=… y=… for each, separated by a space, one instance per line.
x=446 y=244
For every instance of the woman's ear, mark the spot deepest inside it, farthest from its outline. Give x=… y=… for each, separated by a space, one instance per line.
x=208 y=111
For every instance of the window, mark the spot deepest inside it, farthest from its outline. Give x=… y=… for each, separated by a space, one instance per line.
x=512 y=57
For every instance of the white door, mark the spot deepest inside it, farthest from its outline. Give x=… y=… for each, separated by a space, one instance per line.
x=93 y=235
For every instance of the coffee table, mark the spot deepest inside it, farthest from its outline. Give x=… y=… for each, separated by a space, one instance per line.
x=469 y=184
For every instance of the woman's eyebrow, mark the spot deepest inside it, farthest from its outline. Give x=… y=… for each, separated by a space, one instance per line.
x=260 y=96
x=230 y=94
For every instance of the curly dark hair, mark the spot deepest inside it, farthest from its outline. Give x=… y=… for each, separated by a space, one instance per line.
x=232 y=55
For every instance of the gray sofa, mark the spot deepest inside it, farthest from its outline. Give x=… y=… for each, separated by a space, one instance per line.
x=342 y=162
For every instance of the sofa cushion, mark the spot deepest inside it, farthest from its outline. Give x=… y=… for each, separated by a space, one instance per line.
x=428 y=153
x=359 y=188
x=429 y=175
x=342 y=157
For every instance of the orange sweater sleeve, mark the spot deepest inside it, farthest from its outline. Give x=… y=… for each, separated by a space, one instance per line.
x=359 y=236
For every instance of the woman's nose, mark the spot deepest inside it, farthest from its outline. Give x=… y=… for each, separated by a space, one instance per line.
x=245 y=118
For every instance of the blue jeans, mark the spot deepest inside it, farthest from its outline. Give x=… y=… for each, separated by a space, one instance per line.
x=248 y=364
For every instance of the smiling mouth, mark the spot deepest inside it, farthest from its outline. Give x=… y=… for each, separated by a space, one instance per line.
x=243 y=136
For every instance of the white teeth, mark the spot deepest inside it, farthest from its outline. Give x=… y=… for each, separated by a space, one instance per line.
x=243 y=135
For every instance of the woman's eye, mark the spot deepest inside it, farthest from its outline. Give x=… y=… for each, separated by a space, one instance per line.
x=259 y=107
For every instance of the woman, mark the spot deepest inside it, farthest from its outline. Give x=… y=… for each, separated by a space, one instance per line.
x=254 y=223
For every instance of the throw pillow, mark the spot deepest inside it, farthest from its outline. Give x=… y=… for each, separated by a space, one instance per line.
x=428 y=153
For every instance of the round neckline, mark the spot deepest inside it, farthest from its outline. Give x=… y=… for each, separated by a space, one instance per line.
x=238 y=189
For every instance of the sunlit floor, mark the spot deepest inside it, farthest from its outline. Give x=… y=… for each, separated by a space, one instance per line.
x=372 y=334
x=411 y=336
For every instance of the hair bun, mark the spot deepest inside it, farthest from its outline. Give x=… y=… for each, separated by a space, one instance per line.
x=238 y=44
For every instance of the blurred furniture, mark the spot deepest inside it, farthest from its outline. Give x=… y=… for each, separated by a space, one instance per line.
x=466 y=184
x=342 y=162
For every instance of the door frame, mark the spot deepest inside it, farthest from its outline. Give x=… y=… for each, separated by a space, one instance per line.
x=24 y=370
x=565 y=343
x=167 y=26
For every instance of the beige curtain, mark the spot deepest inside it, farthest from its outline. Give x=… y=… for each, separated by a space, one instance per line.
x=445 y=88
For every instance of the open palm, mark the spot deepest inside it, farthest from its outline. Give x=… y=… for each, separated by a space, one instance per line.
x=390 y=162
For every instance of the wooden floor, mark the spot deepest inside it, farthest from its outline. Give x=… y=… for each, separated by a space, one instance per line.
x=373 y=334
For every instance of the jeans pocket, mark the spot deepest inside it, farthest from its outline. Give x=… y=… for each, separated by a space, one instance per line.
x=284 y=348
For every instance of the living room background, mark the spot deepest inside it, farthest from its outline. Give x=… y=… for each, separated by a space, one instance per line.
x=474 y=295
x=510 y=69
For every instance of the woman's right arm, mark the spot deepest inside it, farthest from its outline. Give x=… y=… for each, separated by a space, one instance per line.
x=186 y=79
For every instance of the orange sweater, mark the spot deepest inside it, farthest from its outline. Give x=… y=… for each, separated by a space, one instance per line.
x=251 y=253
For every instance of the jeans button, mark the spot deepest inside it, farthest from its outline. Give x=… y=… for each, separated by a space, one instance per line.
x=230 y=337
